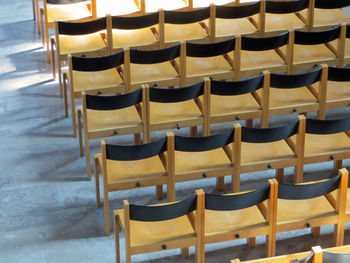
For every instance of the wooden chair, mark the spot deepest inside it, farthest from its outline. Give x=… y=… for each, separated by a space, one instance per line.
x=62 y=10
x=229 y=20
x=347 y=45
x=117 y=8
x=234 y=100
x=129 y=167
x=78 y=39
x=95 y=75
x=200 y=157
x=152 y=67
x=242 y=215
x=105 y=116
x=295 y=93
x=176 y=108
x=175 y=26
x=313 y=205
x=254 y=54
x=258 y=149
x=311 y=48
x=134 y=31
x=154 y=5
x=161 y=227
x=212 y=59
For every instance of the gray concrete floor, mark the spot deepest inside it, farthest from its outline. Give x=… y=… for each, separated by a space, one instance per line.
x=47 y=206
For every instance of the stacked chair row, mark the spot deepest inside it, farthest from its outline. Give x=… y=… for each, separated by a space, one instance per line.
x=209 y=102
x=339 y=254
x=233 y=152
x=209 y=218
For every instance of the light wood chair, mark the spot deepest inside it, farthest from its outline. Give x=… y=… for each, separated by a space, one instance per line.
x=129 y=167
x=313 y=205
x=134 y=31
x=94 y=75
x=176 y=108
x=252 y=54
x=242 y=215
x=77 y=39
x=258 y=149
x=317 y=47
x=212 y=59
x=104 y=116
x=62 y=10
x=118 y=8
x=152 y=67
x=197 y=158
x=161 y=227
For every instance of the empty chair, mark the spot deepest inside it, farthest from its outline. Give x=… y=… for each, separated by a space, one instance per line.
x=134 y=31
x=257 y=149
x=235 y=100
x=242 y=215
x=176 y=108
x=104 y=116
x=117 y=8
x=128 y=167
x=317 y=47
x=77 y=38
x=161 y=227
x=254 y=53
x=212 y=59
x=151 y=67
x=95 y=75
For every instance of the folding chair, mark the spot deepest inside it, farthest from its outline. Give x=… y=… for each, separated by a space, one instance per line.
x=313 y=205
x=258 y=149
x=254 y=54
x=152 y=67
x=78 y=39
x=105 y=116
x=242 y=215
x=212 y=59
x=176 y=108
x=135 y=31
x=118 y=8
x=63 y=10
x=311 y=48
x=235 y=100
x=200 y=157
x=161 y=227
x=95 y=75
x=129 y=167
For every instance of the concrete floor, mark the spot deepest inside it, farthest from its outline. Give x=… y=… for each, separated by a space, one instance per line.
x=47 y=206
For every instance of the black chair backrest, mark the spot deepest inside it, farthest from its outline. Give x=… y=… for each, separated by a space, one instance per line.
x=82 y=28
x=135 y=22
x=230 y=88
x=236 y=201
x=329 y=4
x=186 y=17
x=286 y=81
x=239 y=11
x=316 y=38
x=154 y=56
x=205 y=143
x=265 y=43
x=163 y=212
x=135 y=152
x=284 y=7
x=331 y=257
x=113 y=102
x=264 y=135
x=327 y=126
x=339 y=74
x=210 y=49
x=348 y=31
x=308 y=191
x=165 y=95
x=97 y=63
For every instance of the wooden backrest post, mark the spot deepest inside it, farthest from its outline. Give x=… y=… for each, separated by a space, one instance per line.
x=236 y=158
x=127 y=70
x=206 y=106
x=57 y=41
x=212 y=23
x=271 y=217
x=262 y=18
x=170 y=166
x=127 y=228
x=322 y=94
x=143 y=7
x=300 y=148
x=104 y=165
x=265 y=100
x=183 y=70
x=310 y=15
x=290 y=52
x=237 y=57
x=341 y=46
x=145 y=114
x=318 y=254
x=94 y=9
x=190 y=4
x=199 y=226
x=161 y=28
x=109 y=34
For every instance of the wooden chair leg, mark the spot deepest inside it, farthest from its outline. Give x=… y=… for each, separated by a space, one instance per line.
x=117 y=245
x=251 y=242
x=47 y=37
x=280 y=174
x=316 y=231
x=65 y=95
x=185 y=252
x=220 y=183
x=97 y=184
x=106 y=210
x=53 y=61
x=194 y=131
x=270 y=249
x=338 y=236
x=80 y=135
x=42 y=27
x=249 y=123
x=337 y=165
x=33 y=5
x=38 y=20
x=87 y=155
x=74 y=121
x=137 y=138
x=159 y=192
